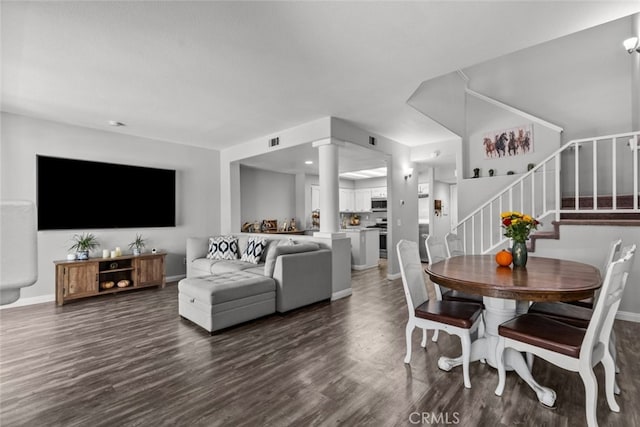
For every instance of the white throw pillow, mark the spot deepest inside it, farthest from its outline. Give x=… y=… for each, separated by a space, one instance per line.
x=255 y=247
x=223 y=247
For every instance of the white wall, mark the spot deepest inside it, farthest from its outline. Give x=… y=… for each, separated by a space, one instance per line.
x=484 y=118
x=267 y=195
x=197 y=186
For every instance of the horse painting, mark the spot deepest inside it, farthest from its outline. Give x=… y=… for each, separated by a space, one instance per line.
x=500 y=144
x=489 y=147
x=512 y=146
x=508 y=142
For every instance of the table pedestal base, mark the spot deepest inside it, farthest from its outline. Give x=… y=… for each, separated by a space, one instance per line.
x=498 y=311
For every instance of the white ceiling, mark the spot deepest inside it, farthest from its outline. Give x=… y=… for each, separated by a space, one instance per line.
x=215 y=74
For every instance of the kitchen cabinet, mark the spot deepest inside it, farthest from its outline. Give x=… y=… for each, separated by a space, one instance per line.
x=315 y=198
x=347 y=202
x=365 y=248
x=363 y=200
x=379 y=192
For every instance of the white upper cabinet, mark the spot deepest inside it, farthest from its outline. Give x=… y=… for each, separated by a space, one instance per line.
x=315 y=197
x=379 y=192
x=347 y=200
x=363 y=200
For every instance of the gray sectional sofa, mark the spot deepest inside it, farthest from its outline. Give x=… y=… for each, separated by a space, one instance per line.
x=218 y=293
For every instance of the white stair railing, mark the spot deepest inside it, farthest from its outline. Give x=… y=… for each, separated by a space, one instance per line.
x=599 y=174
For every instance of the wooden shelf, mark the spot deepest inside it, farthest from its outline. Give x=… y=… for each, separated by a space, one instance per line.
x=81 y=279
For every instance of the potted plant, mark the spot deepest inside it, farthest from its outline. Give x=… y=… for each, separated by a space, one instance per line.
x=137 y=245
x=83 y=243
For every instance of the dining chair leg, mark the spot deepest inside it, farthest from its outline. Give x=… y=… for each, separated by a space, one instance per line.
x=408 y=332
x=591 y=394
x=610 y=382
x=530 y=358
x=481 y=328
x=465 y=340
x=423 y=343
x=502 y=374
x=613 y=351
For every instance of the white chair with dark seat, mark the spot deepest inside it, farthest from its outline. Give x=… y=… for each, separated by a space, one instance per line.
x=453 y=317
x=569 y=347
x=437 y=251
x=454 y=245
x=580 y=314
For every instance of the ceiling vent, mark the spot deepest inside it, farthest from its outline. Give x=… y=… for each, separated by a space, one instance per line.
x=274 y=142
x=372 y=140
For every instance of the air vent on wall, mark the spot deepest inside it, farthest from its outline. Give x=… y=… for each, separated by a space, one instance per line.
x=274 y=141
x=372 y=140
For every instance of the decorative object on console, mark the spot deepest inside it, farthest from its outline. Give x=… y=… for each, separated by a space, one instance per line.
x=137 y=245
x=105 y=253
x=315 y=219
x=285 y=226
x=476 y=172
x=270 y=225
x=254 y=249
x=510 y=172
x=123 y=283
x=530 y=166
x=107 y=285
x=83 y=243
x=223 y=247
x=292 y=225
x=492 y=172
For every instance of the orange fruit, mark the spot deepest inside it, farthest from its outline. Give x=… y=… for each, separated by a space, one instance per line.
x=504 y=258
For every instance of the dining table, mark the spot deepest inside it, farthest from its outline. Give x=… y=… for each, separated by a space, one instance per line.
x=507 y=292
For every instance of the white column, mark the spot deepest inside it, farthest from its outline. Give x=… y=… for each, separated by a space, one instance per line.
x=329 y=185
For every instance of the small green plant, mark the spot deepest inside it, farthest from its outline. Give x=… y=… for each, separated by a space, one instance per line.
x=139 y=243
x=84 y=242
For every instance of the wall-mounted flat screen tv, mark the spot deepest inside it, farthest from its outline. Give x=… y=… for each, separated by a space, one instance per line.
x=80 y=194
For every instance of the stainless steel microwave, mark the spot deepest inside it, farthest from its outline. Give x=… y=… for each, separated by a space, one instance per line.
x=378 y=205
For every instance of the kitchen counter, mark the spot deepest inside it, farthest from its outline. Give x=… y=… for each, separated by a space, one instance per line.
x=365 y=247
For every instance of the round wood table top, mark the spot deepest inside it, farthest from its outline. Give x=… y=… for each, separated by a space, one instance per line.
x=543 y=279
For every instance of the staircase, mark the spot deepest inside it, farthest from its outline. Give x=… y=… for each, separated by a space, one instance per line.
x=592 y=180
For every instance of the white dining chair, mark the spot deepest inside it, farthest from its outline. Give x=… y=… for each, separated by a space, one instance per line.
x=580 y=314
x=454 y=245
x=569 y=347
x=437 y=251
x=453 y=317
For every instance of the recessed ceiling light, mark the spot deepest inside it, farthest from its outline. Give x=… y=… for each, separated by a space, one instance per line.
x=308 y=162
x=116 y=123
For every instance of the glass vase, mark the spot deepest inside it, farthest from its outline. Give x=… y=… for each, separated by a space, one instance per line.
x=519 y=253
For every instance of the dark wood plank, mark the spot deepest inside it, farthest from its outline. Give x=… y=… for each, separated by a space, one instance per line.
x=129 y=360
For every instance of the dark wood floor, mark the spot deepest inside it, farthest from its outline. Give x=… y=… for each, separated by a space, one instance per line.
x=129 y=360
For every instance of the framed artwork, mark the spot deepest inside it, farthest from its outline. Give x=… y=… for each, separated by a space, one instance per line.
x=508 y=142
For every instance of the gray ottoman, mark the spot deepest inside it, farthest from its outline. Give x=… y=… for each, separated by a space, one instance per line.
x=226 y=299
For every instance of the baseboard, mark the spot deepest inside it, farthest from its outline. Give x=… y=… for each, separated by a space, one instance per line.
x=30 y=301
x=394 y=276
x=174 y=278
x=363 y=267
x=341 y=294
x=628 y=316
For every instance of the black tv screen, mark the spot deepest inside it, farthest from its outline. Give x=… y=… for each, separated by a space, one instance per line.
x=80 y=194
